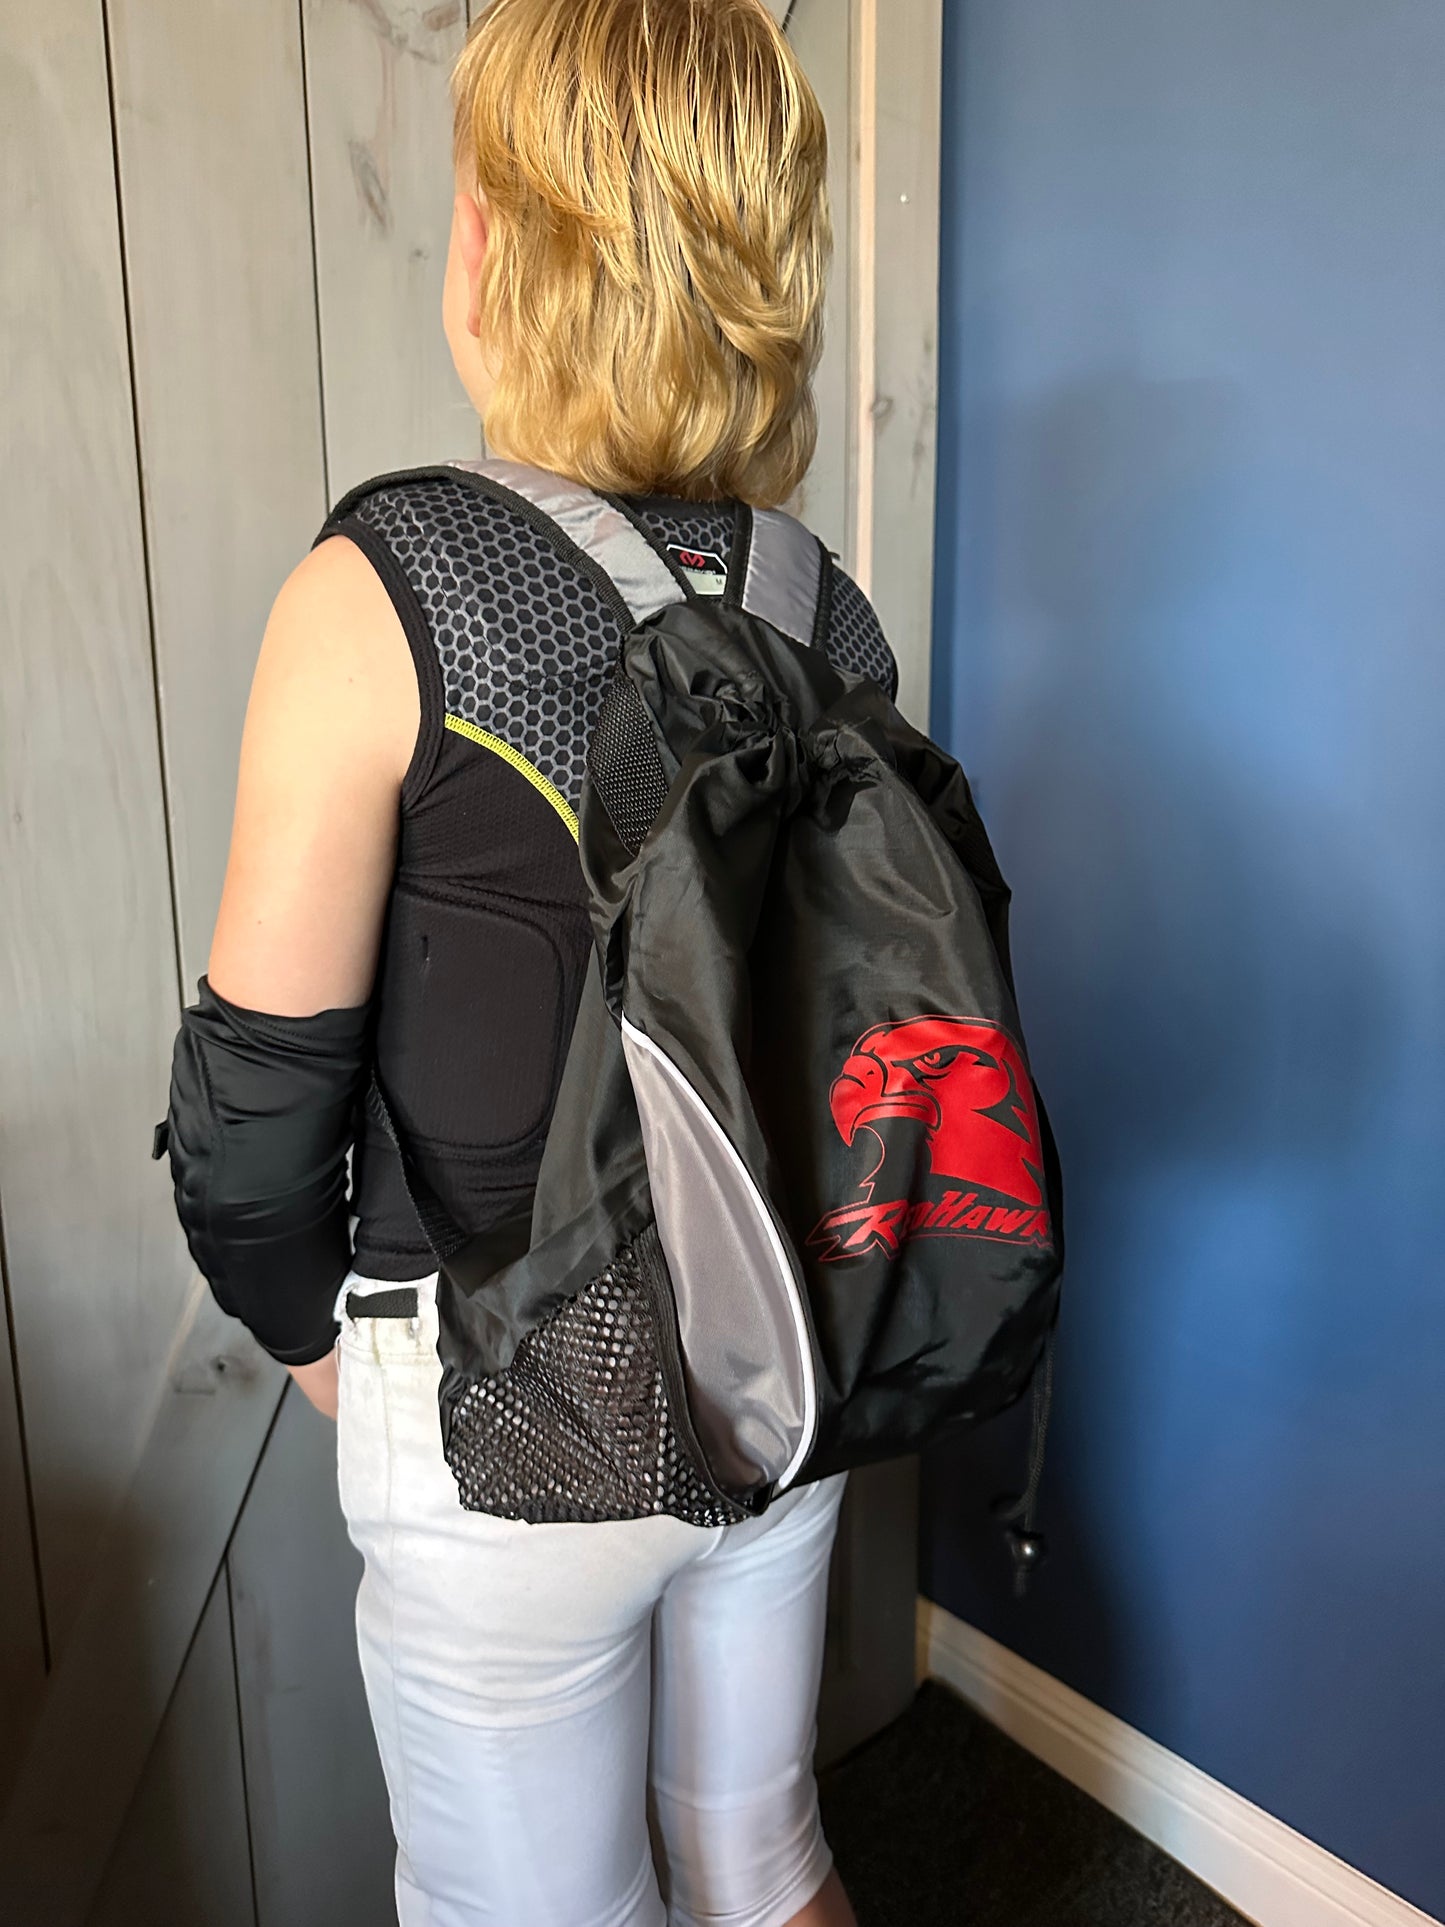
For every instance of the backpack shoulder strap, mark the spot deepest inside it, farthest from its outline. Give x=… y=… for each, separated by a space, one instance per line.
x=784 y=577
x=592 y=525
x=781 y=575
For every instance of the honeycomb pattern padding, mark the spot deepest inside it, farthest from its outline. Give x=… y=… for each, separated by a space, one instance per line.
x=855 y=641
x=579 y=1427
x=525 y=640
x=695 y=525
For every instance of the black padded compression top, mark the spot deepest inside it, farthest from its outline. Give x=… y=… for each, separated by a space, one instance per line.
x=487 y=933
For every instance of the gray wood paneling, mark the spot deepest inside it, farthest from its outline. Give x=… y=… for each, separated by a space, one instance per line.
x=320 y=1829
x=22 y=1645
x=98 y=1273
x=380 y=124
x=820 y=33
x=904 y=291
x=211 y=130
x=152 y=1574
x=182 y=1859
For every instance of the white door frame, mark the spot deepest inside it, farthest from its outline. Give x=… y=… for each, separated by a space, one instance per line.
x=871 y=494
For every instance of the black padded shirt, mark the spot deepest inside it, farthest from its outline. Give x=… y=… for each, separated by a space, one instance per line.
x=487 y=933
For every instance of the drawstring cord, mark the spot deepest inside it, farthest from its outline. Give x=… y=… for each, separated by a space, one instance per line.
x=1027 y=1546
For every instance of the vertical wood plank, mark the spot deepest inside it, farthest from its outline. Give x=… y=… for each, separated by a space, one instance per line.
x=22 y=1642
x=380 y=130
x=320 y=1828
x=98 y=1272
x=863 y=286
x=900 y=64
x=153 y=1573
x=183 y=1858
x=820 y=33
x=211 y=129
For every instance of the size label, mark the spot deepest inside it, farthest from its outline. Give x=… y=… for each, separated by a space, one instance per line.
x=705 y=571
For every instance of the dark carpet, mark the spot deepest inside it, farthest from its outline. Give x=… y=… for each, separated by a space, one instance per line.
x=942 y=1822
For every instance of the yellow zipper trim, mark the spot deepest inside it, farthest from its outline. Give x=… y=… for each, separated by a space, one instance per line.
x=523 y=768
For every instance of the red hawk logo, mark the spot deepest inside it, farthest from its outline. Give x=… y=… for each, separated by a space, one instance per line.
x=965 y=1081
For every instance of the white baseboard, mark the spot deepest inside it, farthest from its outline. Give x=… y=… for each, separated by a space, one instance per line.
x=1271 y=1874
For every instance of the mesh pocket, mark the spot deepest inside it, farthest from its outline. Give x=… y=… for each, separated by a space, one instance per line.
x=580 y=1426
x=623 y=763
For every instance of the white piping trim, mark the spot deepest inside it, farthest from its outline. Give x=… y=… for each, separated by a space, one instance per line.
x=775 y=1243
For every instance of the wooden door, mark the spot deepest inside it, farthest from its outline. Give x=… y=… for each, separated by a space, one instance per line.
x=225 y=233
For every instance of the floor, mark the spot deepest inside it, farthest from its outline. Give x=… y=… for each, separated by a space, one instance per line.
x=942 y=1822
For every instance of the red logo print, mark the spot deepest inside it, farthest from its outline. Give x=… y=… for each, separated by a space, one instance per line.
x=965 y=1082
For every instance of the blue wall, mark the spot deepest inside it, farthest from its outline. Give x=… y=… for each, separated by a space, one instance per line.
x=1191 y=633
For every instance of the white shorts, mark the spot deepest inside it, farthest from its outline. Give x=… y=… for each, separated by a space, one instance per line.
x=544 y=1695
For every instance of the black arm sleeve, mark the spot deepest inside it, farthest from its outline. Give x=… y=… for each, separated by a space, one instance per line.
x=263 y=1110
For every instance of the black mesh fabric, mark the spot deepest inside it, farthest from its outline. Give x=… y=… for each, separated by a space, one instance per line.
x=855 y=641
x=690 y=525
x=626 y=769
x=525 y=640
x=580 y=1426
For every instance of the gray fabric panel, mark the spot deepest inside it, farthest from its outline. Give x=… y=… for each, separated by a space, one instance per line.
x=785 y=574
x=641 y=577
x=745 y=1344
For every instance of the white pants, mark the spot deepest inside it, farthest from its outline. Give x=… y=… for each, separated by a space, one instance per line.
x=540 y=1693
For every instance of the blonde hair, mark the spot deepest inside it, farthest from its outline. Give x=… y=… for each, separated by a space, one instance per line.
x=652 y=291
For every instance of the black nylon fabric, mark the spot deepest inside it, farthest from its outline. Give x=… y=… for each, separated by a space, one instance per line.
x=817 y=877
x=814 y=931
x=591 y=1199
x=819 y=873
x=487 y=936
x=505 y=1292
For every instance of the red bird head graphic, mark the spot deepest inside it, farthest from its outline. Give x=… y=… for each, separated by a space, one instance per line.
x=965 y=1081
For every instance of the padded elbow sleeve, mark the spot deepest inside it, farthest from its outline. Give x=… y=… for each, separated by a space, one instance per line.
x=262 y=1114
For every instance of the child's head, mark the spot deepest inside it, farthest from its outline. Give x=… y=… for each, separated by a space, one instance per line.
x=635 y=287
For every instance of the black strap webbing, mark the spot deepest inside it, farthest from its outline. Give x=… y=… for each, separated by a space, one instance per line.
x=402 y=1302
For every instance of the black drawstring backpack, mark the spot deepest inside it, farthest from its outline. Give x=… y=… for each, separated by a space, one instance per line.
x=799 y=1207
